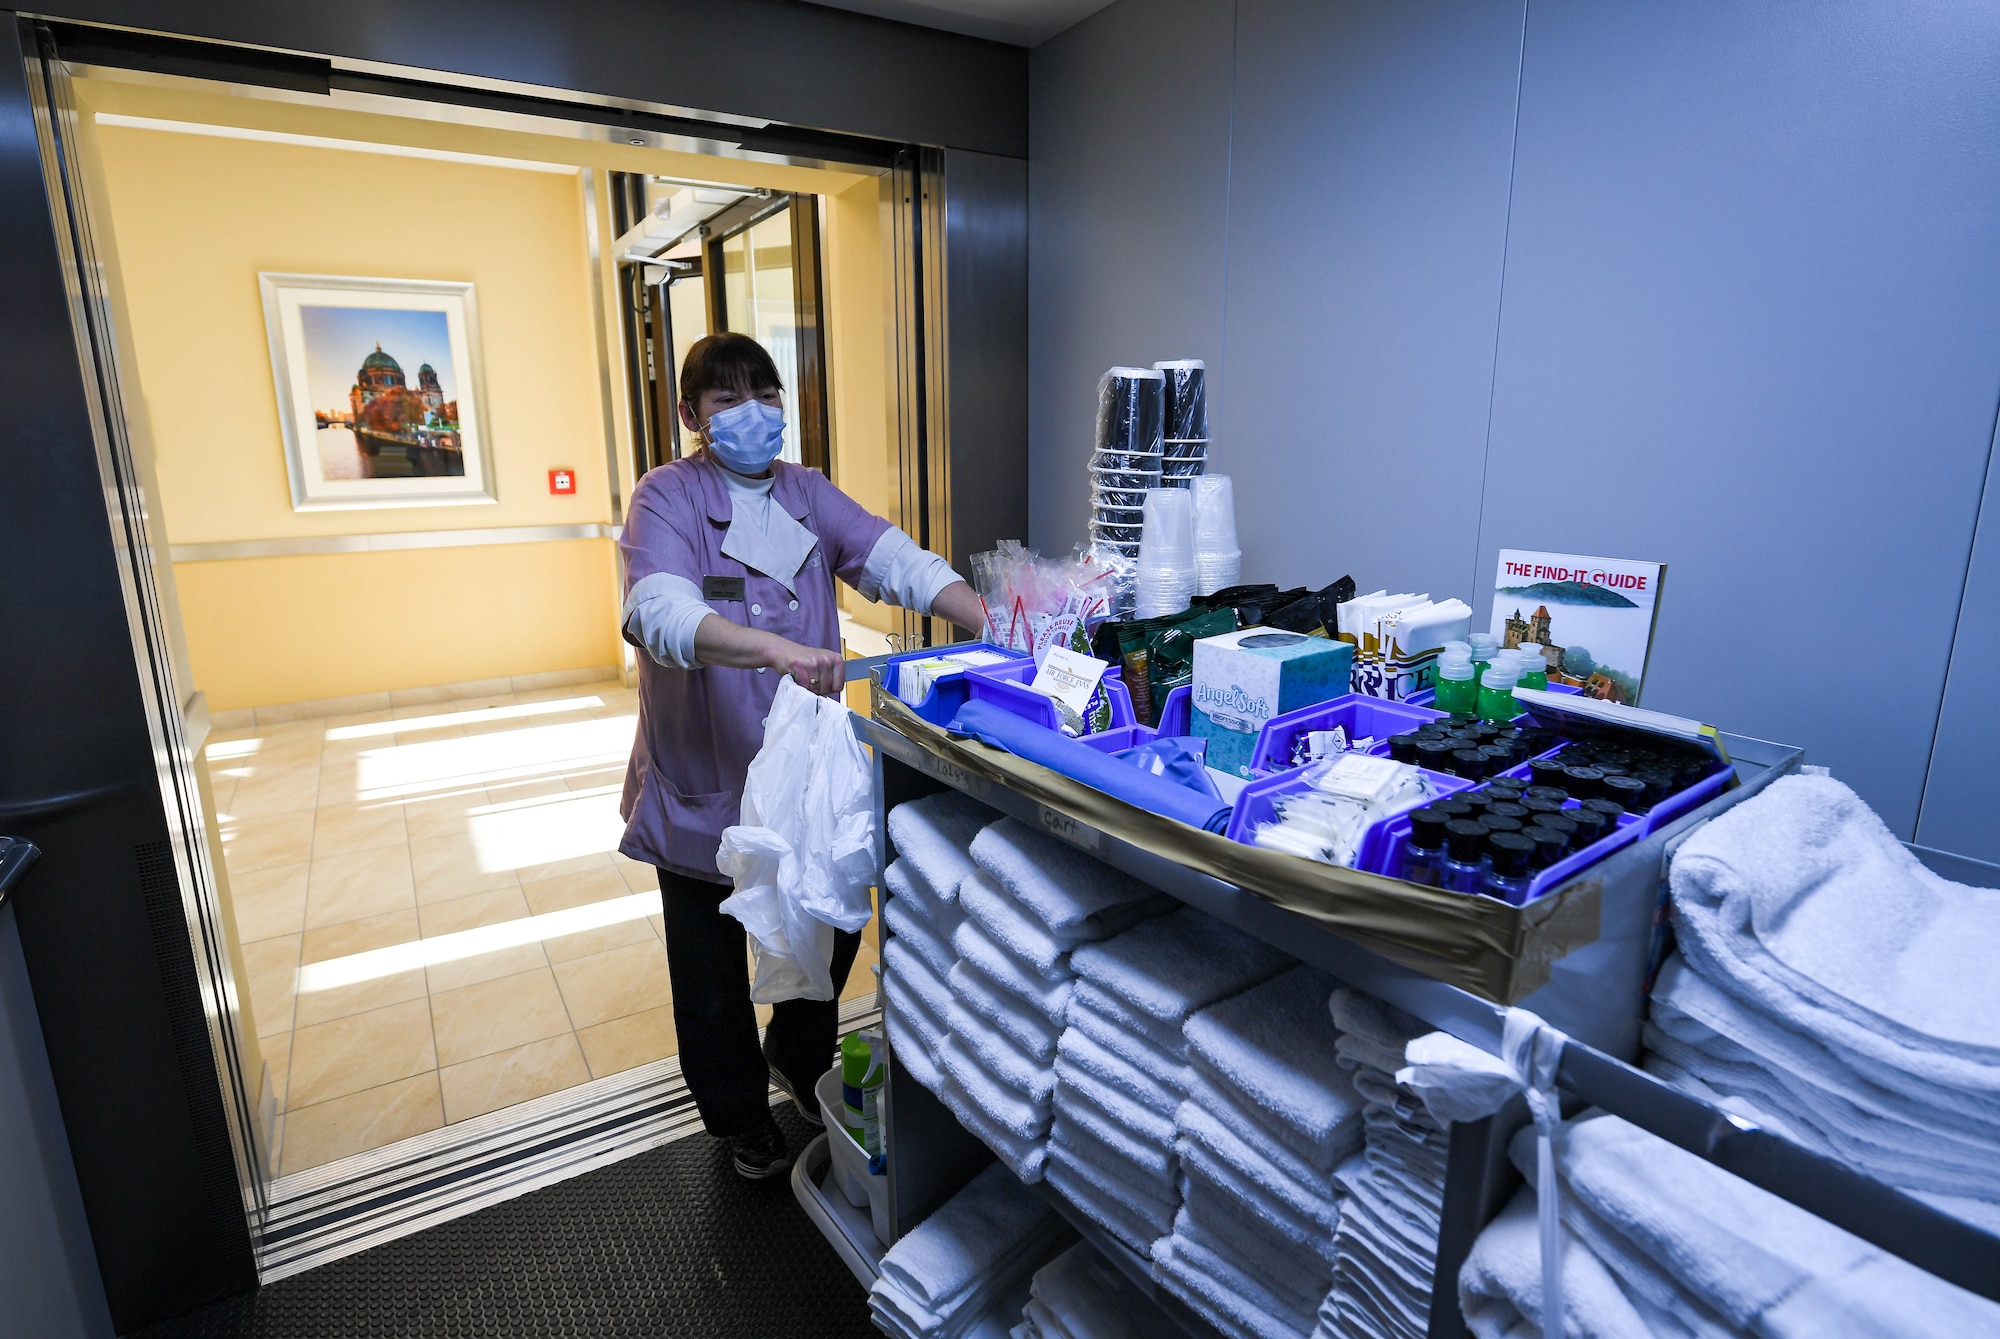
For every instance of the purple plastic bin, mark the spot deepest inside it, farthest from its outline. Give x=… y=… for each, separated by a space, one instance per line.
x=1006 y=686
x=948 y=693
x=1119 y=738
x=1362 y=716
x=1254 y=805
x=1177 y=712
x=1389 y=840
x=1681 y=802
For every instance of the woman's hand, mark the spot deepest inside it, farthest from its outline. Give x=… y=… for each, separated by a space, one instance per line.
x=813 y=668
x=717 y=641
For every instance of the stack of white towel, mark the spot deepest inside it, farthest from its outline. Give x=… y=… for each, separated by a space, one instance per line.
x=1660 y=1242
x=1029 y=902
x=933 y=839
x=945 y=1275
x=1078 y=1295
x=1270 y=1113
x=1838 y=992
x=1121 y=1064
x=1386 y=1246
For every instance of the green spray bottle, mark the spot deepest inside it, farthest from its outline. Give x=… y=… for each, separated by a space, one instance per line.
x=861 y=1077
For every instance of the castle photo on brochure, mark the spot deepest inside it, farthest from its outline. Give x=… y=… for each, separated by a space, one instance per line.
x=1592 y=617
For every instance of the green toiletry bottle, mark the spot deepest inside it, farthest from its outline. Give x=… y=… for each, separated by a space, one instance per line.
x=1534 y=666
x=1496 y=692
x=861 y=1090
x=1457 y=691
x=1484 y=645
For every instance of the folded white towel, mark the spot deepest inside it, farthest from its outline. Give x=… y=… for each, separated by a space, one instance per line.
x=1114 y=1104
x=1804 y=906
x=1111 y=1212
x=1144 y=1161
x=1076 y=897
x=1010 y=1110
x=1025 y=1157
x=1753 y=1259
x=1199 y=1164
x=1377 y=1287
x=1364 y=1017
x=1500 y=1285
x=1131 y=1048
x=1001 y=1058
x=1081 y=1296
x=990 y=1223
x=1272 y=1047
x=1410 y=1215
x=1024 y=1024
x=902 y=965
x=1201 y=1130
x=1234 y=1304
x=913 y=1040
x=1049 y=996
x=921 y=936
x=1011 y=926
x=1075 y=1163
x=1224 y=1210
x=1171 y=966
x=1168 y=1036
x=1230 y=1113
x=904 y=883
x=935 y=835
x=1076 y=1051
x=1269 y=1259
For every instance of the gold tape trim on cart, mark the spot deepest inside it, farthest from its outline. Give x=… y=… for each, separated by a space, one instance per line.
x=1499 y=952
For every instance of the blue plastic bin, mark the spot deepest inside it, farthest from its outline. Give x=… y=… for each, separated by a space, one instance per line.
x=1255 y=804
x=949 y=692
x=1007 y=686
x=1361 y=715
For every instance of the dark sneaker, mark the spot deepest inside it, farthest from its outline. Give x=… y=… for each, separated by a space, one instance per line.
x=760 y=1154
x=806 y=1104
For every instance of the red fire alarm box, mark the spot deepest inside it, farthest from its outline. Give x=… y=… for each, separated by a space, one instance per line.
x=562 y=481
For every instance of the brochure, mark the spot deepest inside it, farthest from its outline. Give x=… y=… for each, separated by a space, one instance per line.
x=1592 y=617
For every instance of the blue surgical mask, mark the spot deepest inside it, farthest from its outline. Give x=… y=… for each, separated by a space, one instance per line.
x=747 y=437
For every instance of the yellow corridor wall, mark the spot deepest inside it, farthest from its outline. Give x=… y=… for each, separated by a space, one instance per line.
x=189 y=221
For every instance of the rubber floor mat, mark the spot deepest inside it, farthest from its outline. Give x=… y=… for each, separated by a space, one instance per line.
x=670 y=1244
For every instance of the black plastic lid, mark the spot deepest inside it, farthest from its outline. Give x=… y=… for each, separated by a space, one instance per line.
x=1590 y=825
x=1562 y=822
x=1493 y=822
x=1550 y=846
x=1629 y=791
x=1403 y=748
x=1465 y=840
x=1427 y=828
x=1468 y=763
x=1462 y=718
x=1556 y=793
x=1547 y=771
x=1582 y=782
x=1499 y=757
x=1537 y=805
x=1510 y=853
x=1513 y=783
x=1611 y=809
x=1434 y=754
x=1507 y=809
x=1453 y=808
x=1476 y=800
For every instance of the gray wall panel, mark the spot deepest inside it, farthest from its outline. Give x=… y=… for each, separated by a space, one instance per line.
x=1750 y=329
x=1962 y=792
x=1128 y=189
x=1367 y=223
x=986 y=298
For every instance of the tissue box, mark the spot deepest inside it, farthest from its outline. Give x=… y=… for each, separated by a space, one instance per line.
x=1242 y=679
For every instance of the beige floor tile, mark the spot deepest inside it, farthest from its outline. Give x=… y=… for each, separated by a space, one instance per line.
x=570 y=679
x=326 y=943
x=332 y=723
x=221 y=789
x=611 y=985
x=471 y=913
x=375 y=1117
x=367 y=1050
x=475 y=1087
x=861 y=980
x=603 y=778
x=659 y=924
x=320 y=708
x=273 y=968
x=278 y=1055
x=445 y=816
x=233 y=724
x=448 y=867
x=484 y=690
x=639 y=876
x=359 y=884
x=268 y=902
x=497 y=1015
x=505 y=789
x=419 y=697
x=429 y=734
x=357 y=827
x=580 y=864
x=584 y=889
x=340 y=781
x=628 y=1042
x=267 y=841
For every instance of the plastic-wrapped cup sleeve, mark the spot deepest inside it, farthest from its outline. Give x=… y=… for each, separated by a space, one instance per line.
x=1186 y=394
x=1141 y=462
x=1131 y=407
x=1183 y=470
x=1117 y=534
x=1130 y=480
x=1118 y=497
x=1184 y=448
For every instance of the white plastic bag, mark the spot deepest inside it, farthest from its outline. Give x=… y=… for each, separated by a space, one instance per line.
x=803 y=854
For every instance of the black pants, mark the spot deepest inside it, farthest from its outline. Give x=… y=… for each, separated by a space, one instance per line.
x=716 y=1023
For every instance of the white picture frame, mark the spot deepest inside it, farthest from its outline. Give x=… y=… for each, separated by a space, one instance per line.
x=385 y=443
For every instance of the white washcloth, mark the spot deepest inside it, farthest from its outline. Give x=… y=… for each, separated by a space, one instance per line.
x=1500 y=1284
x=913 y=1041
x=1753 y=1259
x=1024 y=1024
x=1011 y=926
x=1146 y=1161
x=1361 y=1017
x=905 y=884
x=977 y=1232
x=1267 y=1258
x=1010 y=1110
x=1235 y=1305
x=1202 y=1131
x=1805 y=907
x=1075 y=897
x=1114 y=1104
x=920 y=935
x=906 y=968
x=1111 y=1212
x=1171 y=966
x=1169 y=1037
x=1272 y=1049
x=1047 y=995
x=1081 y=1296
x=1001 y=1058
x=1230 y=1113
x=1026 y=1158
x=935 y=835
x=1219 y=1205
x=1079 y=1167
x=1132 y=1048
x=1077 y=1052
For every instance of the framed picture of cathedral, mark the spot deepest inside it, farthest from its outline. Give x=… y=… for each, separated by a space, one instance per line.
x=379 y=391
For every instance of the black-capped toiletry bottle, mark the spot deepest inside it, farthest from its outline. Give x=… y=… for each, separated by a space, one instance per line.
x=1507 y=874
x=1423 y=858
x=1464 y=855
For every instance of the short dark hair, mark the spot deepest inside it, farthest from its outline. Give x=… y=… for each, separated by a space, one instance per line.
x=730 y=360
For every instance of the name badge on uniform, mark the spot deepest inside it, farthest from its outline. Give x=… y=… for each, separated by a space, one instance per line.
x=722 y=588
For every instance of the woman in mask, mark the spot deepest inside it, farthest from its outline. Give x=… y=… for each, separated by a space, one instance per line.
x=730 y=558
